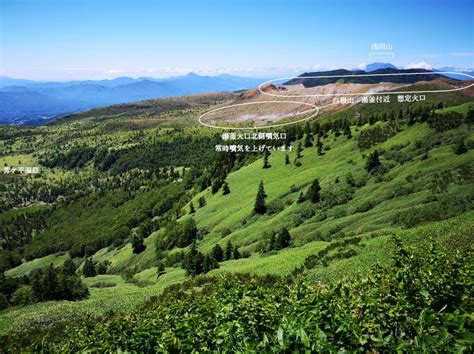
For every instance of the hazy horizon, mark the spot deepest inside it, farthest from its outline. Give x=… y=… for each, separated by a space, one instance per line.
x=296 y=73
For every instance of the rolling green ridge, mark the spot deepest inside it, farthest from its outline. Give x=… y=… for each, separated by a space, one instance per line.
x=134 y=194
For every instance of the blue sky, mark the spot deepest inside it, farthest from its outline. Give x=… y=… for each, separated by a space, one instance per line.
x=90 y=39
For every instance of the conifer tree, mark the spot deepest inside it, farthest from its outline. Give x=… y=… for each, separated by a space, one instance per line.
x=88 y=269
x=160 y=268
x=260 y=206
x=101 y=268
x=347 y=131
x=50 y=284
x=202 y=202
x=282 y=239
x=191 y=208
x=266 y=164
x=209 y=263
x=301 y=198
x=307 y=140
x=228 y=251
x=460 y=148
x=138 y=244
x=206 y=265
x=225 y=189
x=319 y=145
x=69 y=268
x=236 y=253
x=194 y=262
x=313 y=192
x=373 y=161
x=298 y=150
x=470 y=116
x=217 y=253
x=271 y=242
x=188 y=232
x=216 y=185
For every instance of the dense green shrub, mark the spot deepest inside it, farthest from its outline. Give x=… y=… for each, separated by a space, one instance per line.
x=373 y=135
x=422 y=304
x=24 y=295
x=445 y=121
x=104 y=284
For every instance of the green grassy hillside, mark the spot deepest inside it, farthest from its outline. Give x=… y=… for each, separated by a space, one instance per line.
x=142 y=202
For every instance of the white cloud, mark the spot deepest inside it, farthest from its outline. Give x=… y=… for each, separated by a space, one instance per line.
x=462 y=54
x=113 y=71
x=420 y=65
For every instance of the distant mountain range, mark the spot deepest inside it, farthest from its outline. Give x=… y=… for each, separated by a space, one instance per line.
x=456 y=70
x=469 y=71
x=32 y=102
x=35 y=103
x=357 y=77
x=377 y=66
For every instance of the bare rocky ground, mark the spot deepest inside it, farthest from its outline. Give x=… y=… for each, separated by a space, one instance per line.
x=267 y=113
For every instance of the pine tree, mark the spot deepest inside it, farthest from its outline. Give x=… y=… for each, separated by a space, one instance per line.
x=316 y=127
x=3 y=302
x=373 y=161
x=49 y=284
x=347 y=131
x=70 y=287
x=301 y=198
x=88 y=269
x=209 y=264
x=266 y=164
x=216 y=185
x=260 y=207
x=88 y=251
x=319 y=145
x=194 y=261
x=298 y=150
x=283 y=239
x=225 y=189
x=460 y=148
x=101 y=268
x=191 y=208
x=188 y=232
x=160 y=268
x=308 y=140
x=470 y=116
x=313 y=192
x=206 y=266
x=228 y=251
x=35 y=282
x=202 y=202
x=137 y=243
x=271 y=242
x=69 y=268
x=217 y=253
x=372 y=119
x=236 y=253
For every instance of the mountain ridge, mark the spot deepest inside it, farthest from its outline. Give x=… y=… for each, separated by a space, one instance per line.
x=27 y=101
x=359 y=77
